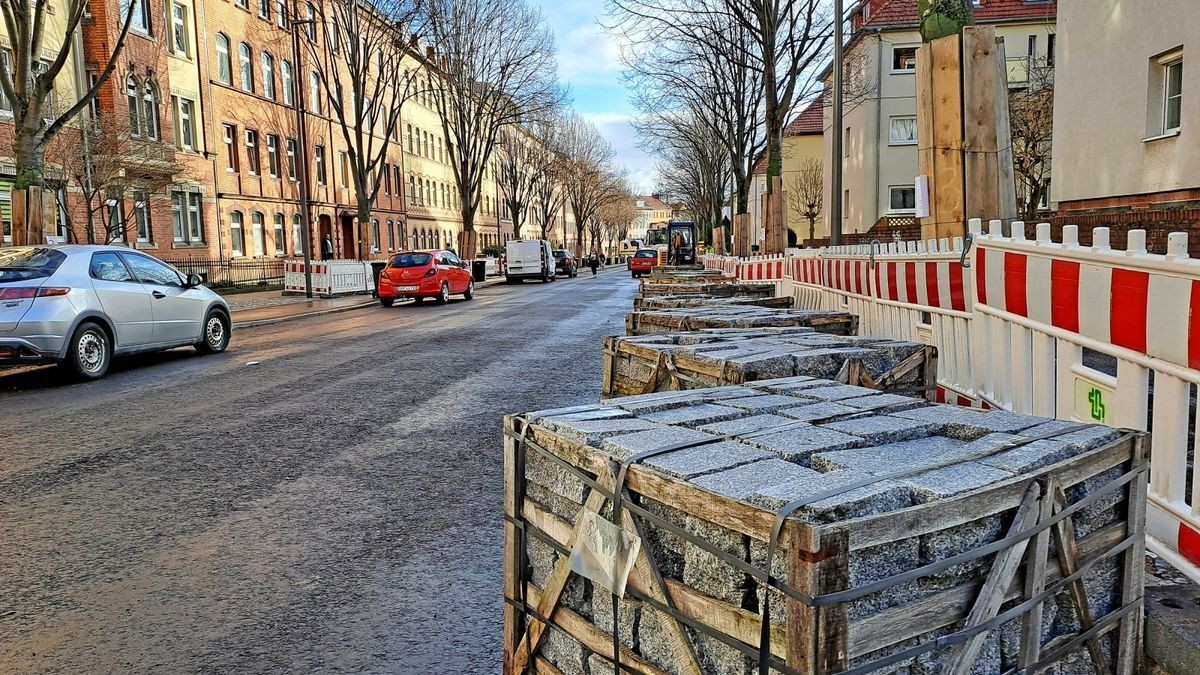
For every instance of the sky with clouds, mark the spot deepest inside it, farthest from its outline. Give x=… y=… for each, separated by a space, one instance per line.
x=589 y=61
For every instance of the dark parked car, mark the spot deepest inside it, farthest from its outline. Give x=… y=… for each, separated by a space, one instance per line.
x=565 y=263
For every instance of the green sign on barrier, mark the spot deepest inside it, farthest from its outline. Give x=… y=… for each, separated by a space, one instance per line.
x=1092 y=401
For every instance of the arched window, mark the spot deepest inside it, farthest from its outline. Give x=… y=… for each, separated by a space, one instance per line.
x=135 y=107
x=224 y=65
x=314 y=92
x=150 y=110
x=268 y=75
x=310 y=28
x=297 y=236
x=237 y=243
x=260 y=238
x=335 y=35
x=247 y=67
x=280 y=240
x=285 y=74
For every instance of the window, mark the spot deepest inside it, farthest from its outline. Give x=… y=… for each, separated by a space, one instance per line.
x=259 y=236
x=846 y=142
x=396 y=178
x=285 y=74
x=902 y=198
x=179 y=32
x=280 y=242
x=281 y=13
x=246 y=66
x=135 y=107
x=241 y=3
x=375 y=234
x=273 y=155
x=185 y=217
x=904 y=59
x=185 y=134
x=344 y=169
x=264 y=9
x=141 y=216
x=291 y=158
x=902 y=130
x=1172 y=94
x=310 y=28
x=236 y=241
x=150 y=271
x=140 y=10
x=150 y=110
x=335 y=36
x=231 y=163
x=252 y=159
x=391 y=236
x=314 y=92
x=297 y=240
x=1031 y=49
x=387 y=179
x=412 y=190
x=224 y=65
x=319 y=160
x=5 y=65
x=108 y=267
x=409 y=136
x=268 y=75
x=1050 y=50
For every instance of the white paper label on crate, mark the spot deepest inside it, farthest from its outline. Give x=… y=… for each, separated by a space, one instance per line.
x=1093 y=401
x=604 y=553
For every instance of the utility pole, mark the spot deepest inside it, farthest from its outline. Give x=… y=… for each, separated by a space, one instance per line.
x=302 y=149
x=835 y=210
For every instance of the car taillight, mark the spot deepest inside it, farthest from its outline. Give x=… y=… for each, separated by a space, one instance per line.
x=432 y=272
x=26 y=292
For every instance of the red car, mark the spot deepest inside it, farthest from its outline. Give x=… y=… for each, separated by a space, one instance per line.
x=643 y=261
x=424 y=274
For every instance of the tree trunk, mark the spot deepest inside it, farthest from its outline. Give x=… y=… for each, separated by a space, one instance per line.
x=30 y=155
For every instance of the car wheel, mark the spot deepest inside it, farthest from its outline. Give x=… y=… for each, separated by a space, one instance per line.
x=90 y=352
x=470 y=293
x=387 y=302
x=216 y=334
x=444 y=295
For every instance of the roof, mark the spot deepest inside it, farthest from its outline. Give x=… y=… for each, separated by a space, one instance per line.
x=809 y=122
x=903 y=13
x=653 y=202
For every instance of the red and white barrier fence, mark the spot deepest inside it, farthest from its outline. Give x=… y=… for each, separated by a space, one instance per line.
x=1034 y=326
x=329 y=277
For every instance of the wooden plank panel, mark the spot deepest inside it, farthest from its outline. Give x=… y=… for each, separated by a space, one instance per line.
x=925 y=112
x=947 y=179
x=981 y=92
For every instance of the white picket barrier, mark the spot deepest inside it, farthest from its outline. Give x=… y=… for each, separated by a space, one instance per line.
x=1029 y=327
x=329 y=277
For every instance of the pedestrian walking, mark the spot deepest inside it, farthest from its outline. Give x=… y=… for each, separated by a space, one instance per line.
x=594 y=263
x=327 y=248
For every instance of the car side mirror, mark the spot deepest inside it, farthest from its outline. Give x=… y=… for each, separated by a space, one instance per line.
x=194 y=280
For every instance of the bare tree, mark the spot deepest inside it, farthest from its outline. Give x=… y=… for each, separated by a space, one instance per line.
x=515 y=160
x=366 y=78
x=496 y=70
x=547 y=166
x=694 y=168
x=117 y=180
x=805 y=192
x=1030 y=115
x=616 y=215
x=588 y=176
x=41 y=47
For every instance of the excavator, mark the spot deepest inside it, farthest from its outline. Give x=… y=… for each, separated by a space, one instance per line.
x=675 y=242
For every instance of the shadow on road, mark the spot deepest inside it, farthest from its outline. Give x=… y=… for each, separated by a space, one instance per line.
x=44 y=377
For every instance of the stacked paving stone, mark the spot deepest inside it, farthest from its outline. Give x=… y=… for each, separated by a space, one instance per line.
x=702 y=300
x=714 y=285
x=652 y=322
x=719 y=356
x=742 y=452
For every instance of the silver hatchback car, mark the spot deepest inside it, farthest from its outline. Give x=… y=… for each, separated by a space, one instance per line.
x=81 y=305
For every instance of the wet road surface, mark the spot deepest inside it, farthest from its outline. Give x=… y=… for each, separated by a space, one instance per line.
x=335 y=508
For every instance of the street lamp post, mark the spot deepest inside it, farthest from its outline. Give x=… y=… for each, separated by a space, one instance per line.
x=835 y=211
x=302 y=150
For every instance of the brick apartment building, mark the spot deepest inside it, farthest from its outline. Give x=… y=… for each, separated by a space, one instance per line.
x=210 y=94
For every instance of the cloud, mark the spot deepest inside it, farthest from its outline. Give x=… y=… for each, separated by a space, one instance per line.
x=618 y=129
x=588 y=55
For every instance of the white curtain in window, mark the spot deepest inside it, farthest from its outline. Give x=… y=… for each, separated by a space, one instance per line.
x=903 y=130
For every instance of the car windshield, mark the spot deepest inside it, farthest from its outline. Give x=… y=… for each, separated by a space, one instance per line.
x=561 y=254
x=22 y=264
x=646 y=253
x=411 y=260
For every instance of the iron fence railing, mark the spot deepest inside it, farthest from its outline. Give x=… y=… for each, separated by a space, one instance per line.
x=229 y=273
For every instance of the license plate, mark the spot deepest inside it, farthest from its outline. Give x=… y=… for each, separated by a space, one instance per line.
x=406 y=288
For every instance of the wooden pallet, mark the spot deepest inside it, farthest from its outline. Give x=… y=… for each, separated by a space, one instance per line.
x=676 y=301
x=655 y=321
x=1017 y=575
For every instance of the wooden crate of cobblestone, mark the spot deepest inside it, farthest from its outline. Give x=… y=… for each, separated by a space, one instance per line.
x=700 y=300
x=907 y=537
x=652 y=322
x=714 y=288
x=716 y=357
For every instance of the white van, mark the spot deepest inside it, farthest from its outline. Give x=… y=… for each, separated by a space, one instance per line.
x=529 y=259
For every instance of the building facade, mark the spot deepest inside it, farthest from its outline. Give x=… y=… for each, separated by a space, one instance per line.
x=225 y=99
x=879 y=134
x=1145 y=159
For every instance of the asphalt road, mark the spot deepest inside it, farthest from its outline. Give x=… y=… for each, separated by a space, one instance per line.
x=334 y=508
